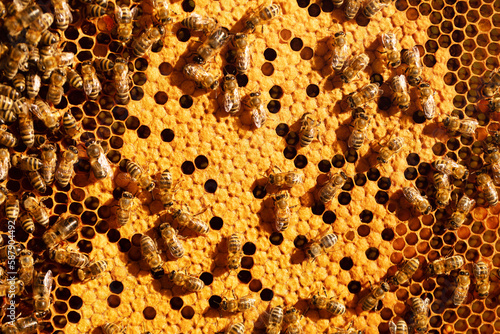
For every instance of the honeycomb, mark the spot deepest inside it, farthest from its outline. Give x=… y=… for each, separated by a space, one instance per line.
x=170 y=123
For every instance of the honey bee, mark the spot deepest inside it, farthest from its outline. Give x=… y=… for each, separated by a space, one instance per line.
x=7 y=138
x=237 y=328
x=3 y=11
x=285 y=179
x=42 y=285
x=18 y=55
x=26 y=125
x=166 y=189
x=123 y=18
x=214 y=42
x=421 y=203
x=327 y=303
x=414 y=70
x=400 y=95
x=351 y=8
x=49 y=162
x=398 y=328
x=464 y=206
x=358 y=134
x=420 y=310
x=237 y=304
x=69 y=124
x=231 y=99
x=94 y=11
x=93 y=270
x=62 y=14
x=450 y=167
x=124 y=207
x=307 y=129
x=487 y=186
x=26 y=267
x=56 y=90
x=426 y=99
x=162 y=11
x=65 y=170
x=98 y=162
x=199 y=75
x=330 y=189
x=340 y=51
x=185 y=219
x=12 y=207
x=27 y=223
x=9 y=91
x=40 y=140
x=406 y=272
x=122 y=80
x=143 y=43
x=197 y=22
x=316 y=248
x=75 y=79
x=26 y=163
x=444 y=266
x=37 y=181
x=390 y=44
x=242 y=52
x=482 y=275
x=364 y=95
x=281 y=210
x=376 y=294
x=33 y=85
x=394 y=146
x=292 y=320
x=234 y=252
x=443 y=189
x=19 y=82
x=137 y=174
x=374 y=6
x=48 y=38
x=103 y=64
x=6 y=103
x=25 y=325
x=259 y=114
x=35 y=31
x=4 y=163
x=60 y=231
x=190 y=283
x=45 y=114
x=16 y=23
x=275 y=320
x=466 y=127
x=491 y=84
x=110 y=328
x=494 y=103
x=10 y=288
x=9 y=250
x=354 y=66
x=36 y=209
x=91 y=84
x=69 y=257
x=169 y=235
x=261 y=15
x=463 y=283
x=151 y=254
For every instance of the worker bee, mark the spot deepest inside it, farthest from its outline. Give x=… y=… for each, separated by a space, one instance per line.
x=259 y=114
x=4 y=163
x=491 y=84
x=56 y=90
x=26 y=267
x=190 y=283
x=464 y=206
x=327 y=303
x=110 y=328
x=494 y=103
x=69 y=257
x=414 y=70
x=199 y=75
x=376 y=294
x=49 y=162
x=27 y=223
x=169 y=235
x=12 y=207
x=94 y=11
x=231 y=99
x=25 y=325
x=103 y=64
x=281 y=210
x=292 y=320
x=65 y=170
x=123 y=18
x=443 y=189
x=124 y=207
x=7 y=138
x=74 y=79
x=3 y=197
x=162 y=11
x=237 y=328
x=19 y=82
x=26 y=125
x=36 y=209
x=47 y=38
x=37 y=181
x=285 y=179
x=45 y=114
x=354 y=66
x=444 y=266
x=400 y=95
x=10 y=250
x=234 y=252
x=137 y=174
x=358 y=134
x=237 y=304
x=122 y=80
x=197 y=22
x=33 y=85
x=374 y=6
x=364 y=95
x=61 y=230
x=142 y=44
x=69 y=124
x=406 y=272
x=466 y=127
x=450 y=167
x=93 y=270
x=485 y=182
x=394 y=146
x=166 y=189
x=9 y=91
x=62 y=14
x=185 y=219
x=16 y=23
x=307 y=129
x=18 y=55
x=275 y=320
x=35 y=32
x=98 y=162
x=398 y=328
x=316 y=248
x=241 y=52
x=91 y=84
x=426 y=98
x=6 y=103
x=40 y=140
x=26 y=163
x=390 y=44
x=261 y=15
x=151 y=254
x=11 y=288
x=42 y=285
x=340 y=51
x=463 y=283
x=421 y=203
x=214 y=42
x=330 y=189
x=482 y=275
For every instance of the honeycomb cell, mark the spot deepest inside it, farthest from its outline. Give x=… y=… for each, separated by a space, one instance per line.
x=338 y=161
x=267 y=69
x=290 y=152
x=274 y=106
x=165 y=68
x=276 y=238
x=161 y=98
x=318 y=208
x=149 y=313
x=183 y=35
x=296 y=44
x=354 y=287
x=255 y=285
x=266 y=294
x=167 y=135
x=187 y=312
x=444 y=41
x=188 y=167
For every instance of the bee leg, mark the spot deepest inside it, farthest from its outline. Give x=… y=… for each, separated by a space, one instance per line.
x=234 y=294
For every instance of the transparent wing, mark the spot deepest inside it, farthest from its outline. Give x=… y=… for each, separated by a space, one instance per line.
x=48 y=281
x=429 y=107
x=103 y=160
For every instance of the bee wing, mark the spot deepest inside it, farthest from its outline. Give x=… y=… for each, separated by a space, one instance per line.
x=87 y=86
x=134 y=12
x=118 y=13
x=103 y=160
x=403 y=83
x=417 y=56
x=97 y=84
x=259 y=116
x=48 y=281
x=429 y=107
x=227 y=102
x=392 y=327
x=68 y=12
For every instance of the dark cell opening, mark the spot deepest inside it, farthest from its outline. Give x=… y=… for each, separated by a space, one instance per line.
x=354 y=287
x=351 y=155
x=259 y=192
x=132 y=123
x=167 y=135
x=296 y=44
x=344 y=198
x=183 y=34
x=201 y=162
x=165 y=68
x=282 y=129
x=327 y=6
x=114 y=301
x=75 y=302
x=324 y=166
x=161 y=98
x=377 y=78
x=274 y=106
x=303 y=3
x=143 y=132
x=249 y=248
x=187 y=312
x=424 y=168
x=290 y=152
x=59 y=321
x=410 y=173
x=366 y=216
x=124 y=245
x=292 y=138
x=186 y=101
x=346 y=263
x=213 y=302
x=63 y=293
x=245 y=276
x=211 y=186
x=141 y=64
x=300 y=241
x=300 y=161
x=372 y=253
x=314 y=10
x=387 y=234
x=74 y=317
x=362 y=20
x=149 y=313
x=116 y=287
x=207 y=278
x=419 y=117
x=276 y=238
x=384 y=103
x=85 y=246
x=338 y=161
x=270 y=54
x=381 y=197
x=187 y=167
x=255 y=285
x=242 y=80
x=136 y=93
x=188 y=5
x=276 y=92
x=318 y=208
x=329 y=217
x=216 y=223
x=348 y=185
x=384 y=183
x=266 y=294
x=413 y=159
x=312 y=90
x=373 y=174
x=176 y=303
